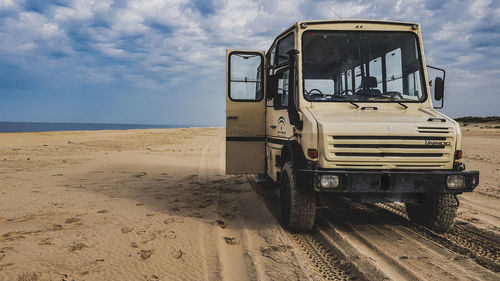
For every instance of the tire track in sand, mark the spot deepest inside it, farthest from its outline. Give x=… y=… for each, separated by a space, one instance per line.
x=230 y=256
x=319 y=258
x=208 y=238
x=480 y=245
x=376 y=246
x=394 y=246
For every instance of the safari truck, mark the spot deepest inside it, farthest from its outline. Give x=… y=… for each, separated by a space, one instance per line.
x=346 y=108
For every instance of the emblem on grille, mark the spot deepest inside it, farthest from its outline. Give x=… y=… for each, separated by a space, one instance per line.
x=438 y=143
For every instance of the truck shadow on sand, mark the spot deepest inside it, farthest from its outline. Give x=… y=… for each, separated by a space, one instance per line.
x=213 y=199
x=327 y=205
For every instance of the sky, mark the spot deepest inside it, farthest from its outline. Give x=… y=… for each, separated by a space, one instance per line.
x=163 y=62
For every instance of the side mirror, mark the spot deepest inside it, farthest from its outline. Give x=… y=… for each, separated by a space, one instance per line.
x=438 y=82
x=271 y=86
x=438 y=88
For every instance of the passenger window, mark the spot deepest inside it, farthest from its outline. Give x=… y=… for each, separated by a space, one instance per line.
x=343 y=83
x=375 y=67
x=281 y=99
x=414 y=84
x=245 y=76
x=270 y=60
x=348 y=87
x=394 y=71
x=357 y=78
x=284 y=45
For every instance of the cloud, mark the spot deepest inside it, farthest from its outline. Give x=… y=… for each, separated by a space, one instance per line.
x=176 y=48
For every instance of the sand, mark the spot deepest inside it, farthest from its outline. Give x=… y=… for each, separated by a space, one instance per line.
x=156 y=205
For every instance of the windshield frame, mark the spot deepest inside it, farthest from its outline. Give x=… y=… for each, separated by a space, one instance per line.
x=423 y=75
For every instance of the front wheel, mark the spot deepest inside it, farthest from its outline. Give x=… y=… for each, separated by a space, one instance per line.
x=298 y=203
x=438 y=211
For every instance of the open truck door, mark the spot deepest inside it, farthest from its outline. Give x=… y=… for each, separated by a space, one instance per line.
x=245 y=112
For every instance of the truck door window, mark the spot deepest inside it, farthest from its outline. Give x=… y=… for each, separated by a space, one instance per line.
x=245 y=77
x=284 y=45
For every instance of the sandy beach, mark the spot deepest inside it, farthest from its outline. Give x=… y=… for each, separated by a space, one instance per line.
x=156 y=205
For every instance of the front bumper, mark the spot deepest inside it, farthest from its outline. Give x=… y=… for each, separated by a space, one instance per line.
x=390 y=181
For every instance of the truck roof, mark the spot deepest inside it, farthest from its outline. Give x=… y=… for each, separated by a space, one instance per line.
x=354 y=21
x=312 y=22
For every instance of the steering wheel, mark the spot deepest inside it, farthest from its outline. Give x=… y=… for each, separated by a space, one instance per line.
x=346 y=92
x=315 y=90
x=394 y=94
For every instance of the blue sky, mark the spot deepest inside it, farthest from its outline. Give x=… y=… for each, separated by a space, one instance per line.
x=163 y=62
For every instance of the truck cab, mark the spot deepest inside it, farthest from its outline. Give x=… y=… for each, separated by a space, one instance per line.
x=346 y=108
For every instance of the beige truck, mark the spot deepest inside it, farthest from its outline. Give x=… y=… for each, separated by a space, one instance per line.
x=345 y=108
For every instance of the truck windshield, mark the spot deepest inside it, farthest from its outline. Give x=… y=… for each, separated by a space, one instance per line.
x=361 y=66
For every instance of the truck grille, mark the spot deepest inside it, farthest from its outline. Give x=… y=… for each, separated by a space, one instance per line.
x=434 y=130
x=426 y=150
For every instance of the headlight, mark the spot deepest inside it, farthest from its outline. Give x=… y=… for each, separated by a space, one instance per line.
x=455 y=182
x=329 y=181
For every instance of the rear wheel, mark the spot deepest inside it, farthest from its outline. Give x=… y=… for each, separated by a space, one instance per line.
x=438 y=211
x=298 y=203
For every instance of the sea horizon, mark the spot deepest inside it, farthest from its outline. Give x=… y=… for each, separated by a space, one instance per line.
x=23 y=127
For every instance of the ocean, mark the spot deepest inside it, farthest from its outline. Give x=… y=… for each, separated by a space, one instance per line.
x=48 y=126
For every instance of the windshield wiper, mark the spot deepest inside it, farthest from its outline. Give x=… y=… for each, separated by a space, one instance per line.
x=392 y=98
x=343 y=97
x=402 y=104
x=384 y=96
x=357 y=106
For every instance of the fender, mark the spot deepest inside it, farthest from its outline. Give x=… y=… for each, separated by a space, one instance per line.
x=292 y=151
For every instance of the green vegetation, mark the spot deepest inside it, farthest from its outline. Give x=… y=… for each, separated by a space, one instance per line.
x=473 y=119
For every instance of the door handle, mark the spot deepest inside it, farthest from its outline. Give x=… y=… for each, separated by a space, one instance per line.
x=232 y=117
x=273 y=126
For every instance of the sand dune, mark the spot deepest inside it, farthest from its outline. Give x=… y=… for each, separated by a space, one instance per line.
x=156 y=205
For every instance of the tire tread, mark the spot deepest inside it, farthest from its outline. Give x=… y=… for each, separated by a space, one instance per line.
x=302 y=205
x=437 y=212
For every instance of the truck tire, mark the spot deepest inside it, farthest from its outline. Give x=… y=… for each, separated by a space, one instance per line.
x=298 y=203
x=437 y=212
